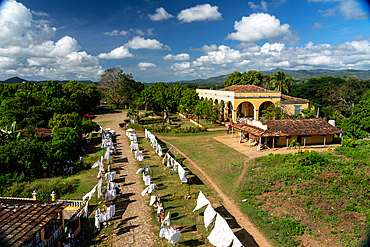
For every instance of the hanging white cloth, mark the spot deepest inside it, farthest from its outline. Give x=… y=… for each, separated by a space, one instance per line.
x=209 y=215
x=97 y=220
x=221 y=235
x=182 y=174
x=201 y=201
x=89 y=195
x=152 y=200
x=86 y=209
x=139 y=170
x=174 y=235
x=151 y=188
x=144 y=191
x=147 y=180
x=99 y=187
x=236 y=242
x=96 y=164
x=167 y=219
x=159 y=208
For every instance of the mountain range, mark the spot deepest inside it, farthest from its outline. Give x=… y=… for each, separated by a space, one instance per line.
x=297 y=75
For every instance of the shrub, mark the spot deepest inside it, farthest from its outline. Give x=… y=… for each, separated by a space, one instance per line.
x=349 y=142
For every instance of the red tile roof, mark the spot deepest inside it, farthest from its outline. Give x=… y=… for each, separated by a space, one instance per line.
x=41 y=132
x=290 y=99
x=21 y=219
x=291 y=127
x=244 y=88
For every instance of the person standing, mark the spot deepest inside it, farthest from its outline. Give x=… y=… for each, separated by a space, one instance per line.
x=227 y=128
x=81 y=161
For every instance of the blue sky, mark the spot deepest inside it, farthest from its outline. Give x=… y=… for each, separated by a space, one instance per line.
x=179 y=40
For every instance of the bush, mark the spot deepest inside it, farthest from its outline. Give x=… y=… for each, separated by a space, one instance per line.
x=135 y=126
x=190 y=130
x=349 y=142
x=43 y=188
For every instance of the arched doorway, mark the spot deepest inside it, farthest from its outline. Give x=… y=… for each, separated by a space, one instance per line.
x=245 y=110
x=228 y=111
x=263 y=107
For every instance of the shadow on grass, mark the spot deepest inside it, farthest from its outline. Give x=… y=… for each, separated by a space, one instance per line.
x=192 y=228
x=193 y=242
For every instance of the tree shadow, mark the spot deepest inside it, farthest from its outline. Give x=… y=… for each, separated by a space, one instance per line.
x=126 y=229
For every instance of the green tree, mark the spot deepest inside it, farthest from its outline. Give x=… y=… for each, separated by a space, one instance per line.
x=252 y=77
x=119 y=88
x=281 y=82
x=358 y=124
x=274 y=112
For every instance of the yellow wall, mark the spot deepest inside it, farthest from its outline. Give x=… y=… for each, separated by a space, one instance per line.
x=309 y=140
x=289 y=108
x=254 y=98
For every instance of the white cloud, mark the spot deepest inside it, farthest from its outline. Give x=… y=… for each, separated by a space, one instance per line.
x=140 y=32
x=200 y=13
x=255 y=7
x=26 y=48
x=118 y=53
x=355 y=54
x=150 y=31
x=141 y=43
x=116 y=32
x=259 y=26
x=327 y=12
x=182 y=56
x=145 y=65
x=317 y=25
x=350 y=9
x=39 y=13
x=161 y=14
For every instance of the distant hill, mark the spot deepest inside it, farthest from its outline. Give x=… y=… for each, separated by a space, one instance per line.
x=19 y=80
x=297 y=75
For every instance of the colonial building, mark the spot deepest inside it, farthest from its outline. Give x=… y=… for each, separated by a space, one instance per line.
x=246 y=102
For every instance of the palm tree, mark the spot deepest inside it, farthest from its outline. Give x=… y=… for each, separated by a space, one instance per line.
x=281 y=82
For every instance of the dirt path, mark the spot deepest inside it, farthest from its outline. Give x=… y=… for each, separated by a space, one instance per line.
x=237 y=183
x=242 y=220
x=133 y=220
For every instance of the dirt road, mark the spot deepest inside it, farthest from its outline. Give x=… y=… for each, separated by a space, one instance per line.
x=133 y=220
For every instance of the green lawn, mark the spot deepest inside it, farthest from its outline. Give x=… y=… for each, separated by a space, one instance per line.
x=207 y=123
x=222 y=163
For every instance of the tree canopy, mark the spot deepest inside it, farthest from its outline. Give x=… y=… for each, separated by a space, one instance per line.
x=119 y=88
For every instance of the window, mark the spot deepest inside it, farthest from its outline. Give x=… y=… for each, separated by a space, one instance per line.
x=297 y=109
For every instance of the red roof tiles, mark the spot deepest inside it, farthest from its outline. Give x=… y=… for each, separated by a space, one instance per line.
x=244 y=88
x=291 y=127
x=290 y=99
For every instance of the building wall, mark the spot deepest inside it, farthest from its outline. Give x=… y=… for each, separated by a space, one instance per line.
x=236 y=98
x=309 y=140
x=289 y=108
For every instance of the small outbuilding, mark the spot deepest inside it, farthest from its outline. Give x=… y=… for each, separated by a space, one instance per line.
x=274 y=133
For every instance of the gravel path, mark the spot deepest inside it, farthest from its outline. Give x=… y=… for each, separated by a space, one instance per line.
x=133 y=220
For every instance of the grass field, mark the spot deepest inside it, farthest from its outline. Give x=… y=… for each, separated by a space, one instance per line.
x=222 y=163
x=309 y=198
